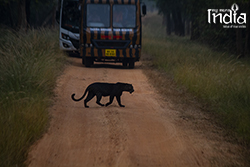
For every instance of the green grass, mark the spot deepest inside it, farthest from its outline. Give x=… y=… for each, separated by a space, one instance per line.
x=220 y=80
x=29 y=65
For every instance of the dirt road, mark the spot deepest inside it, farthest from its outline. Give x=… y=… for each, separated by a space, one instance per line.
x=147 y=132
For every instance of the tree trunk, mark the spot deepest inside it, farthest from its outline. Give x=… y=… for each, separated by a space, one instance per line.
x=195 y=32
x=174 y=15
x=47 y=19
x=187 y=27
x=247 y=40
x=181 y=26
x=22 y=21
x=168 y=24
x=239 y=46
x=27 y=8
x=54 y=17
x=10 y=15
x=178 y=24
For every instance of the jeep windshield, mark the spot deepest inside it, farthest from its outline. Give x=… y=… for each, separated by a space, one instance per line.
x=124 y=16
x=98 y=15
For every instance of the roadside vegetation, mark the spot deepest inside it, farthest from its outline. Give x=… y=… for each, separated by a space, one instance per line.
x=218 y=79
x=29 y=65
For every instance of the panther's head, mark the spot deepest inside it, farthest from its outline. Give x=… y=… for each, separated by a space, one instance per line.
x=129 y=88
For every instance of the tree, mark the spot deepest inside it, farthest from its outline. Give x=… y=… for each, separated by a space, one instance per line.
x=5 y=9
x=17 y=13
x=236 y=40
x=22 y=17
x=173 y=13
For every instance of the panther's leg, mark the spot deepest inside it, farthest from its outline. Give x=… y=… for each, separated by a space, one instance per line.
x=118 y=98
x=98 y=99
x=88 y=98
x=111 y=98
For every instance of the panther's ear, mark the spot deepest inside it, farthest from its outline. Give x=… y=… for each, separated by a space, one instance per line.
x=130 y=85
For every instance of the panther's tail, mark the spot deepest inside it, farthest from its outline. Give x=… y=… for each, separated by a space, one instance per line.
x=73 y=96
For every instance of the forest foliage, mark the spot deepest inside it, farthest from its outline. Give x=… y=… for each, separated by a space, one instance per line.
x=36 y=52
x=217 y=80
x=30 y=63
x=24 y=14
x=191 y=17
x=181 y=17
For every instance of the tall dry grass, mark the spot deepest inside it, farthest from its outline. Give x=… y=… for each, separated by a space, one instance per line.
x=29 y=65
x=217 y=78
